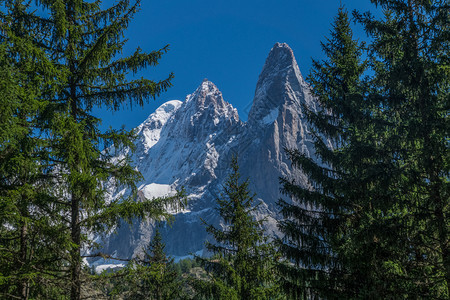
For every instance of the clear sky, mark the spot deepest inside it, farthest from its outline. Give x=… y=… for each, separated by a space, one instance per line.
x=226 y=41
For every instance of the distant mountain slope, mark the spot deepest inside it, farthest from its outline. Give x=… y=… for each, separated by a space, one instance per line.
x=190 y=144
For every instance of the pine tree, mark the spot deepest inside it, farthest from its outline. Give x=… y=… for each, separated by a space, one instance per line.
x=82 y=40
x=372 y=223
x=411 y=65
x=316 y=220
x=26 y=233
x=242 y=265
x=154 y=276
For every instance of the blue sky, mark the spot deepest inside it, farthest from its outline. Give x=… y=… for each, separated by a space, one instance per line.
x=226 y=41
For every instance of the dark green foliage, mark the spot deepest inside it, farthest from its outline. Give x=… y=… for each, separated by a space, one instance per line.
x=374 y=224
x=184 y=266
x=317 y=220
x=27 y=230
x=59 y=65
x=154 y=276
x=410 y=57
x=242 y=265
x=84 y=42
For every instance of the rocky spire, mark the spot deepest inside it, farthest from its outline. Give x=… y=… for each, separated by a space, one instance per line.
x=190 y=144
x=204 y=112
x=206 y=94
x=279 y=83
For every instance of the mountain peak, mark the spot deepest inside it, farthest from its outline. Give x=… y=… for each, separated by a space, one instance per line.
x=280 y=76
x=280 y=57
x=208 y=86
x=282 y=48
x=190 y=144
x=207 y=93
x=158 y=118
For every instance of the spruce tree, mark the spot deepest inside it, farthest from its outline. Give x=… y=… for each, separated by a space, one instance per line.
x=153 y=276
x=26 y=231
x=316 y=220
x=82 y=41
x=372 y=224
x=411 y=61
x=242 y=265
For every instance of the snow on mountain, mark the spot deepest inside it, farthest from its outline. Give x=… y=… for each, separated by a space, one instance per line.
x=190 y=144
x=151 y=128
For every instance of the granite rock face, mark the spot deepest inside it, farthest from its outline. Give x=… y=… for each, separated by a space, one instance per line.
x=191 y=143
x=276 y=121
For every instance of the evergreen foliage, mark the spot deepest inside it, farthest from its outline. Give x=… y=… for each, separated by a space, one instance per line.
x=374 y=222
x=57 y=188
x=410 y=58
x=242 y=265
x=316 y=222
x=154 y=276
x=27 y=230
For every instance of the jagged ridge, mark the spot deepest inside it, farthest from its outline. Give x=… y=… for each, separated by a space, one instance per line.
x=190 y=144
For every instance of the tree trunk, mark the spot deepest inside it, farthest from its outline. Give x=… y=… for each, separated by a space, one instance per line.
x=75 y=292
x=24 y=287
